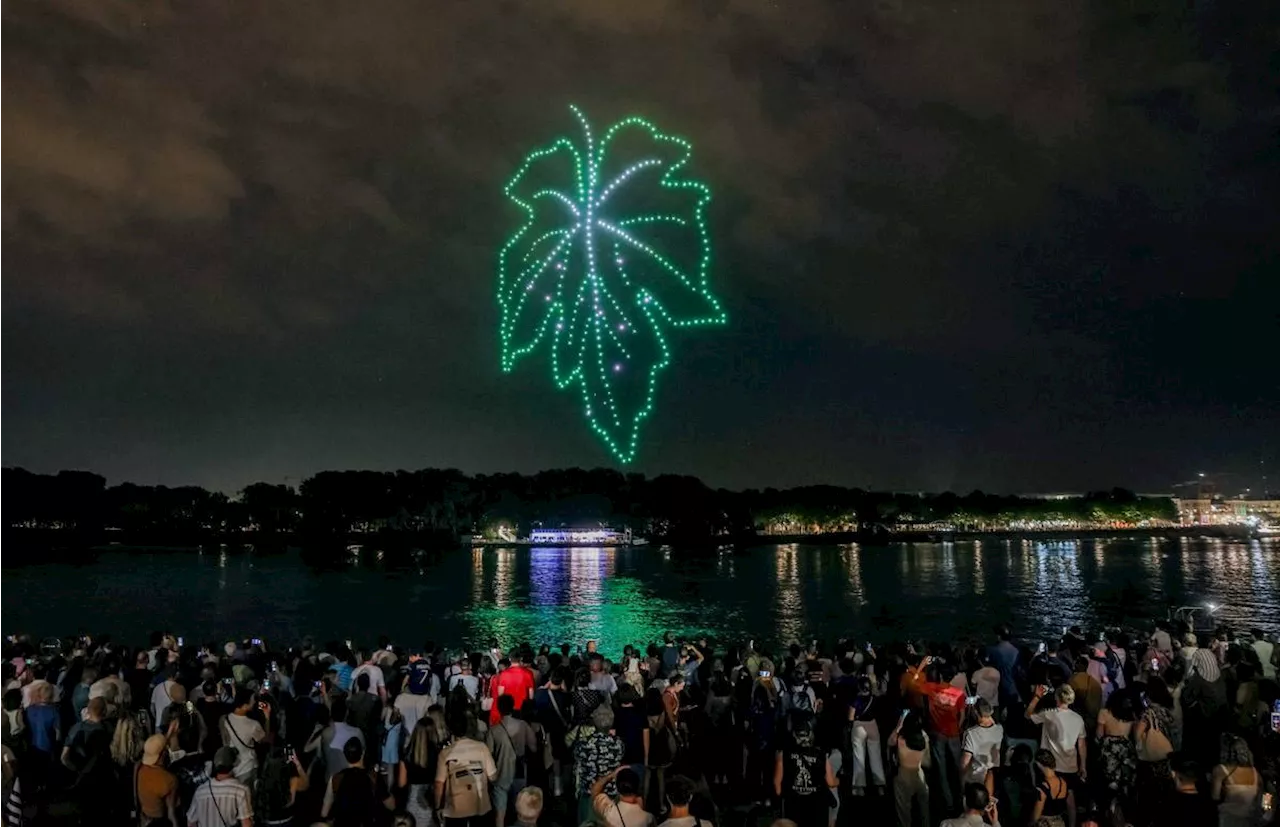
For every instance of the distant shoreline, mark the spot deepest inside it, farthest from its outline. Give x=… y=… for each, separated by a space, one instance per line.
x=53 y=545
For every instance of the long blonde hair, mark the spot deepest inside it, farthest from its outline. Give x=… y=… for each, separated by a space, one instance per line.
x=429 y=734
x=126 y=745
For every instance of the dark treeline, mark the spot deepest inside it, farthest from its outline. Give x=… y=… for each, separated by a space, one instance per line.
x=446 y=505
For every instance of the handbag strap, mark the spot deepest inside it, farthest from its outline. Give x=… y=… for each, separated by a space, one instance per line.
x=551 y=693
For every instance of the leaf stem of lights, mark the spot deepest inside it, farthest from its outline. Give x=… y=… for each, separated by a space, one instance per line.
x=595 y=286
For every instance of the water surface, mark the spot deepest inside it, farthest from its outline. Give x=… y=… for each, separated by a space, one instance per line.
x=776 y=593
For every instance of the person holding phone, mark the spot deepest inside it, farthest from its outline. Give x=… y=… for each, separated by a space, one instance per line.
x=910 y=791
x=244 y=734
x=979 y=809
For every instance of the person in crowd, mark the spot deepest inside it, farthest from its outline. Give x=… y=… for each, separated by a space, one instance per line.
x=626 y=808
x=464 y=771
x=364 y=711
x=355 y=796
x=372 y=667
x=1204 y=701
x=342 y=730
x=680 y=792
x=1154 y=738
x=418 y=765
x=803 y=777
x=222 y=800
x=529 y=807
x=1055 y=802
x=421 y=690
x=464 y=678
x=1236 y=784
x=155 y=788
x=511 y=742
x=162 y=693
x=979 y=809
x=553 y=707
x=516 y=681
x=1062 y=732
x=986 y=681
x=944 y=707
x=983 y=745
x=87 y=755
x=281 y=780
x=1004 y=657
x=44 y=736
x=1117 y=750
x=1266 y=651
x=595 y=754
x=910 y=791
x=244 y=734
x=1187 y=805
x=1088 y=692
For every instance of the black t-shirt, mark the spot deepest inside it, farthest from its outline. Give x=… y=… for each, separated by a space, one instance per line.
x=630 y=726
x=804 y=772
x=357 y=798
x=1188 y=810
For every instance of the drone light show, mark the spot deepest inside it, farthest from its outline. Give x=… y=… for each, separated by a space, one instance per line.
x=609 y=263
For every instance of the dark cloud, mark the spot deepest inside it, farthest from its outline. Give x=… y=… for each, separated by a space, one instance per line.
x=247 y=240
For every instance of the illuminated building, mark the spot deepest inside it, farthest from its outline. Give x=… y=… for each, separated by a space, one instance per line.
x=579 y=536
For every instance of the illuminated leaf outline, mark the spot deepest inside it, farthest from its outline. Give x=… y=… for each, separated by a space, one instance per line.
x=523 y=263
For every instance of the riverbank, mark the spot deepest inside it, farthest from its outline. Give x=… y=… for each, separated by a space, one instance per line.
x=38 y=546
x=886 y=535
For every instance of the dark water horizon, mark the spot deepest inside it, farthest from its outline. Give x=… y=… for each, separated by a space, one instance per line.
x=779 y=594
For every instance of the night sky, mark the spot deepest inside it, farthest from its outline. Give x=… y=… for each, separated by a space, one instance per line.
x=1021 y=246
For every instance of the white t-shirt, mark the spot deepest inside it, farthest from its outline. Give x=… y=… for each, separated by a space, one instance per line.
x=618 y=813
x=1062 y=728
x=604 y=682
x=983 y=743
x=986 y=683
x=686 y=821
x=377 y=683
x=160 y=700
x=1265 y=649
x=244 y=733
x=412 y=707
x=469 y=682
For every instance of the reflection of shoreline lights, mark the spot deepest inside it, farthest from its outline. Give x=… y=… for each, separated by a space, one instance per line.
x=790 y=602
x=854 y=593
x=504 y=578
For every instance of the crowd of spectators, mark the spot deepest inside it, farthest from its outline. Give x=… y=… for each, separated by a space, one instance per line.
x=1161 y=727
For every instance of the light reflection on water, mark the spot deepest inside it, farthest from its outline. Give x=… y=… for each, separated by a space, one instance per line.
x=619 y=596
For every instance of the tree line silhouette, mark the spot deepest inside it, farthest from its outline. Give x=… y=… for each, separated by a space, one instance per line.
x=446 y=505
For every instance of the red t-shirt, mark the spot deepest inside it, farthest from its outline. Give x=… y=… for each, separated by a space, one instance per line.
x=944 y=702
x=515 y=681
x=946 y=708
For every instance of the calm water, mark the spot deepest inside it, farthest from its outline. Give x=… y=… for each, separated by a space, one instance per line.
x=777 y=593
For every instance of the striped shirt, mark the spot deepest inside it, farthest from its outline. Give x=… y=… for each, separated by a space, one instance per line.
x=220 y=802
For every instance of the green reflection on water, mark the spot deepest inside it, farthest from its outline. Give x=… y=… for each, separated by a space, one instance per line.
x=576 y=595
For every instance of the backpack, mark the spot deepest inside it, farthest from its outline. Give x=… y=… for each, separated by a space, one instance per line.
x=801 y=705
x=760 y=721
x=462 y=789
